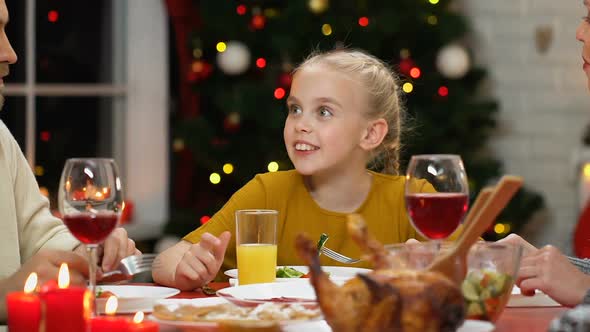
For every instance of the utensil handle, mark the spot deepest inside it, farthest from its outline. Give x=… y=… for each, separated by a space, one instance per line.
x=480 y=201
x=499 y=197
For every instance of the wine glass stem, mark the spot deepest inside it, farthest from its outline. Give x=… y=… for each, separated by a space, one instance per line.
x=92 y=263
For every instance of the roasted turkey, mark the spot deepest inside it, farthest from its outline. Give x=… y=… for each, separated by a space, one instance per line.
x=386 y=299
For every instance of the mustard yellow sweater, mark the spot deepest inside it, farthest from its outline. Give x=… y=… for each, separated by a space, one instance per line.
x=384 y=210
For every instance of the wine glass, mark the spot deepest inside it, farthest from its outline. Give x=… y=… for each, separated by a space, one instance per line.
x=437 y=194
x=90 y=199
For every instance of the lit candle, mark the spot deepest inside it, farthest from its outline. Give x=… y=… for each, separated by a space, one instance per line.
x=139 y=325
x=66 y=308
x=24 y=308
x=110 y=322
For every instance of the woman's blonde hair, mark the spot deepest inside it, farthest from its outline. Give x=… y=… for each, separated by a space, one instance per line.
x=382 y=85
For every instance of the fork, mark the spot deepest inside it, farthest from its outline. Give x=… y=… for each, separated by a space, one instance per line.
x=337 y=256
x=132 y=265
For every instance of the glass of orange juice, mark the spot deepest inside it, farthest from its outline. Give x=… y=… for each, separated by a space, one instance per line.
x=256 y=245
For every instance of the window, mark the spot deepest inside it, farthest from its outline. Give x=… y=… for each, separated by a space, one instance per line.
x=91 y=80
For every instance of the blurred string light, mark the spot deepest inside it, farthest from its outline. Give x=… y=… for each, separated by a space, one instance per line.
x=271 y=12
x=214 y=178
x=434 y=2
x=53 y=16
x=408 y=87
x=45 y=136
x=443 y=91
x=204 y=219
x=364 y=21
x=326 y=29
x=261 y=62
x=279 y=93
x=404 y=53
x=241 y=10
x=39 y=170
x=228 y=168
x=44 y=191
x=432 y=20
x=273 y=166
x=197 y=53
x=221 y=46
x=501 y=228
x=258 y=21
x=178 y=144
x=415 y=72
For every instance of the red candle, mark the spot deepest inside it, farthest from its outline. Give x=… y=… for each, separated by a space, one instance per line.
x=24 y=308
x=66 y=308
x=139 y=325
x=110 y=322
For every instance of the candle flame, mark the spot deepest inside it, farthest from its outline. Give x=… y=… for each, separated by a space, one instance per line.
x=138 y=318
x=111 y=306
x=63 y=278
x=31 y=283
x=98 y=195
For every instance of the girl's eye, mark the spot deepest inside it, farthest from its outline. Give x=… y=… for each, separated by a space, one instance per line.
x=325 y=112
x=586 y=18
x=294 y=109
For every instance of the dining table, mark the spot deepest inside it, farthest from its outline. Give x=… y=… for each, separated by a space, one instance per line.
x=530 y=319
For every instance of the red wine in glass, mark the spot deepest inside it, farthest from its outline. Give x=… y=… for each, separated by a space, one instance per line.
x=91 y=228
x=437 y=194
x=437 y=216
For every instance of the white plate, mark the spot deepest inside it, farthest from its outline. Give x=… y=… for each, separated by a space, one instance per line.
x=172 y=304
x=135 y=298
x=250 y=295
x=540 y=299
x=338 y=273
x=322 y=326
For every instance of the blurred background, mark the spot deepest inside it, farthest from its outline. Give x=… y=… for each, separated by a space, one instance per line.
x=189 y=96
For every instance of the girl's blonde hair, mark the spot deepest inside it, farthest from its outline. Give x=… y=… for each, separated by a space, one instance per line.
x=382 y=85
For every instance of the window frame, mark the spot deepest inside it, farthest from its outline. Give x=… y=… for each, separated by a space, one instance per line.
x=139 y=93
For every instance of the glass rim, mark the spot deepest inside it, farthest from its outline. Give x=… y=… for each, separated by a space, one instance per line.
x=257 y=211
x=90 y=158
x=436 y=156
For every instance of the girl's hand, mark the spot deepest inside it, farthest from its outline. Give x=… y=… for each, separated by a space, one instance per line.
x=201 y=262
x=549 y=271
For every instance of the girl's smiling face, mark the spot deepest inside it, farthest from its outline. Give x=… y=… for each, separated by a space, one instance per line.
x=326 y=121
x=583 y=35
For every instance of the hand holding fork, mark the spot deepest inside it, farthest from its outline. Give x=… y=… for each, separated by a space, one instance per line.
x=130 y=266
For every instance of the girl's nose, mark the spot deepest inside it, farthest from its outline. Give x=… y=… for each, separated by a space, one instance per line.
x=303 y=125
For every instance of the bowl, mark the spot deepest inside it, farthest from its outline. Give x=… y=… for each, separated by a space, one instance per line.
x=491 y=272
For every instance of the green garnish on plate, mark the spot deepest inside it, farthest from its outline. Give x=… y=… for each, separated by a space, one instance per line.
x=288 y=272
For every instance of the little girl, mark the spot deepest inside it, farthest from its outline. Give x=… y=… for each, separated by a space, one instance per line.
x=344 y=114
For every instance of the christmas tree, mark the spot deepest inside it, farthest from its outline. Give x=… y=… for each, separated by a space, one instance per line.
x=237 y=60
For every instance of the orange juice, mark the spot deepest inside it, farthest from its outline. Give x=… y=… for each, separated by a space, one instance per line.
x=257 y=263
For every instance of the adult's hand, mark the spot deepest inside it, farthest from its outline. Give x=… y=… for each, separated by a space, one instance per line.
x=551 y=272
x=116 y=247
